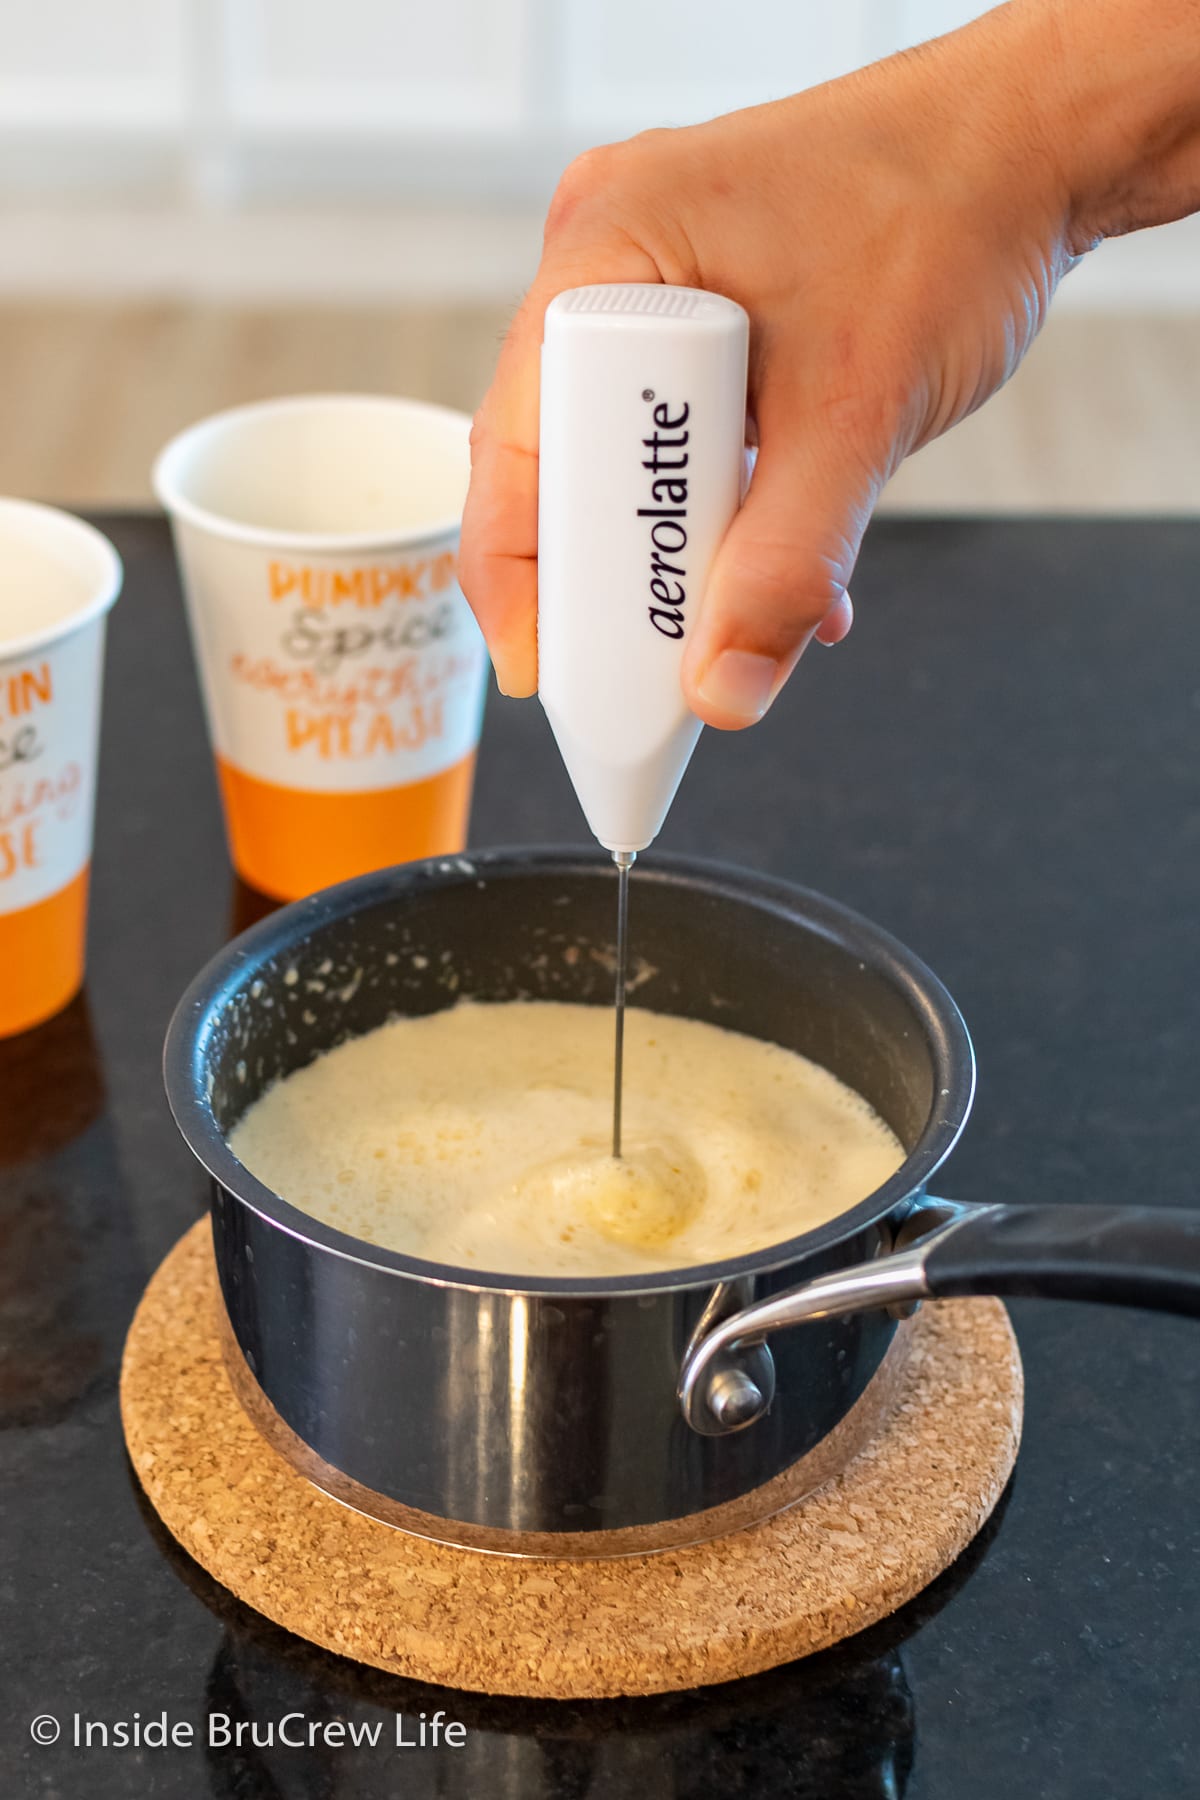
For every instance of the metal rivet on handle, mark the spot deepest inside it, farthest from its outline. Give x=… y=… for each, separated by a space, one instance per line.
x=735 y=1400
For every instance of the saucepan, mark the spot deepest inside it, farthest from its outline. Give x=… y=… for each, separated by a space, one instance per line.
x=617 y=1414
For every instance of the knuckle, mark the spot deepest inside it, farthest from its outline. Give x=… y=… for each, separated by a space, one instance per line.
x=860 y=415
x=468 y=570
x=472 y=554
x=864 y=382
x=789 y=590
x=588 y=176
x=865 y=408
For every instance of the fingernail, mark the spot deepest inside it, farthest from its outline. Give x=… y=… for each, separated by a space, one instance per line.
x=835 y=627
x=741 y=683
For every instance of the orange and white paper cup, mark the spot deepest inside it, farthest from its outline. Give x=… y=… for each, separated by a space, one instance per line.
x=58 y=578
x=342 y=670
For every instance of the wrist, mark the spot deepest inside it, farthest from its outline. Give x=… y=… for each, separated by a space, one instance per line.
x=1114 y=88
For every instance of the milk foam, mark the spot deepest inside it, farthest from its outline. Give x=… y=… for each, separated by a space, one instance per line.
x=479 y=1136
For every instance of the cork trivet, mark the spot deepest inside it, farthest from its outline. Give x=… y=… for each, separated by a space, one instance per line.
x=835 y=1563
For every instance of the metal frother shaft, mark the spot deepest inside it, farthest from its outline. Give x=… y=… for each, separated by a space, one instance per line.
x=643 y=420
x=624 y=860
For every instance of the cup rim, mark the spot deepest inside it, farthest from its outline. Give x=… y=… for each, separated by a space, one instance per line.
x=105 y=590
x=168 y=491
x=190 y=1030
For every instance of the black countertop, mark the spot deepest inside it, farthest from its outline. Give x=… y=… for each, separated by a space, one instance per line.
x=1002 y=767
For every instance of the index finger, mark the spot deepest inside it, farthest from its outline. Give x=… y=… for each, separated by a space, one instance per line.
x=498 y=558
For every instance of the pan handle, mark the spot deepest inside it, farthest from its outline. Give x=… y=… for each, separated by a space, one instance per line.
x=1124 y=1255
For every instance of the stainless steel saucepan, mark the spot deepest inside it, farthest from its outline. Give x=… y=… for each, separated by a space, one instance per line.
x=624 y=1413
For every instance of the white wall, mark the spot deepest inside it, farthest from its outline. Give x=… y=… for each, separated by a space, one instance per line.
x=374 y=148
x=258 y=97
x=76 y=71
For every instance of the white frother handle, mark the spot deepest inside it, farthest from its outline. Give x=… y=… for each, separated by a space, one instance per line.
x=643 y=416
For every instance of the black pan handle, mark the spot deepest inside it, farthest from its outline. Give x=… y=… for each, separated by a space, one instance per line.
x=1125 y=1255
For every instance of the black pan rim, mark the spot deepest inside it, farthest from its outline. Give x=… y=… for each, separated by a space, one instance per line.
x=950 y=1044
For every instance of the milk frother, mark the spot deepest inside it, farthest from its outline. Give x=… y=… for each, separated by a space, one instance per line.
x=643 y=413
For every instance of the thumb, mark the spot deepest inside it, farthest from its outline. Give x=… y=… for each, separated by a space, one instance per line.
x=782 y=569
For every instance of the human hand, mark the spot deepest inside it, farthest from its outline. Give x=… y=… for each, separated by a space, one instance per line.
x=895 y=237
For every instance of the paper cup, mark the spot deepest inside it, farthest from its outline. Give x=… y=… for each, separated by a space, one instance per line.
x=342 y=671
x=58 y=579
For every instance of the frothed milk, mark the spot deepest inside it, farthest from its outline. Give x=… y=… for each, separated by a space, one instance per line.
x=479 y=1137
